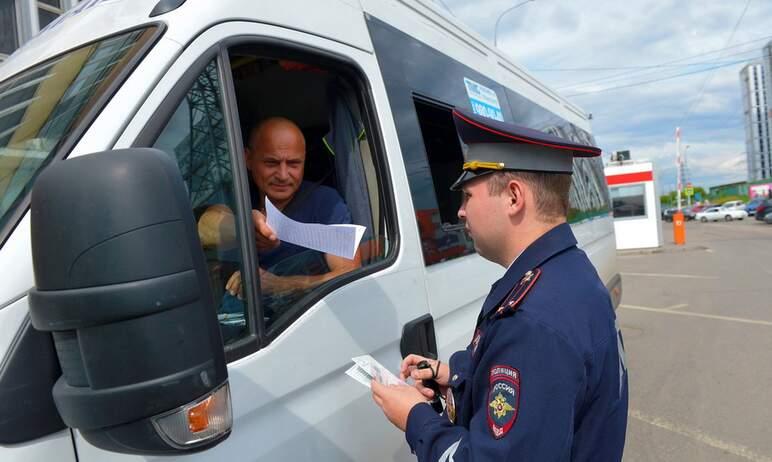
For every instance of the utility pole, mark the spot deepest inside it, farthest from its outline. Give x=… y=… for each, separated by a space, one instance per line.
x=678 y=163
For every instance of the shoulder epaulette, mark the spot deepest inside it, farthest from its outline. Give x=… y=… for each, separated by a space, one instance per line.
x=517 y=294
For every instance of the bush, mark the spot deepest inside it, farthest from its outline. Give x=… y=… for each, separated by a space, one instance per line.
x=721 y=199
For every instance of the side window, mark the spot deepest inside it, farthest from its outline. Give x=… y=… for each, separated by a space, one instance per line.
x=196 y=136
x=309 y=150
x=629 y=201
x=589 y=194
x=442 y=236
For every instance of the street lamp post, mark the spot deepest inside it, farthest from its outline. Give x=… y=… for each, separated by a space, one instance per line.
x=498 y=21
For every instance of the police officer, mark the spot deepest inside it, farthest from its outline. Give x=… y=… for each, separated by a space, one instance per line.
x=543 y=378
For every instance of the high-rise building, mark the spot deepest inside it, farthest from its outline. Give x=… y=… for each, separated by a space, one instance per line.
x=766 y=60
x=757 y=123
x=20 y=20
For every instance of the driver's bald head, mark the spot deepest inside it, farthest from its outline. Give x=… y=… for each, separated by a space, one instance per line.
x=276 y=131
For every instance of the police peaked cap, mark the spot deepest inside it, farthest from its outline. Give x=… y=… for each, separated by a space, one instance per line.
x=493 y=146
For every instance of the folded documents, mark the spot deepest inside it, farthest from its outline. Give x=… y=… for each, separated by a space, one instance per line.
x=366 y=368
x=340 y=240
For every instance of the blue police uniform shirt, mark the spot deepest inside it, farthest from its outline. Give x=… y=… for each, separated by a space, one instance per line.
x=544 y=381
x=312 y=203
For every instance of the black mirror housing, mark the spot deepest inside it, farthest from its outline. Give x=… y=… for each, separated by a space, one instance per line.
x=121 y=283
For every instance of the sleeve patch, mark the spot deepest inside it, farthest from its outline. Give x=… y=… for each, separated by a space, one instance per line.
x=503 y=399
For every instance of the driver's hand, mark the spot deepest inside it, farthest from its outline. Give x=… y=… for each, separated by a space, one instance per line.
x=265 y=237
x=234 y=287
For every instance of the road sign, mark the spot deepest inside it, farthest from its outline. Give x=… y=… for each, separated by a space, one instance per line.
x=689 y=191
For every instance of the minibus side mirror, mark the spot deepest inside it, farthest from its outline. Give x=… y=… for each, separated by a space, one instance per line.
x=121 y=283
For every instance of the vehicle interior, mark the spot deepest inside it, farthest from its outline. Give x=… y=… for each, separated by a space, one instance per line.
x=325 y=104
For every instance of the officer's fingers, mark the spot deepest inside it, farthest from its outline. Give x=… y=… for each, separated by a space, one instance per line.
x=421 y=374
x=410 y=360
x=378 y=400
x=378 y=391
x=428 y=392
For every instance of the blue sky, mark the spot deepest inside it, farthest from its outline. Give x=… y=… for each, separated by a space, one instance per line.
x=548 y=36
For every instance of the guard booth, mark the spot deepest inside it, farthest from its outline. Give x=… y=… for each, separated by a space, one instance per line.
x=637 y=219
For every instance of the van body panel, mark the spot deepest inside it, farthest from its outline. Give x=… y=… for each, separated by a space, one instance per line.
x=58 y=447
x=16 y=262
x=94 y=19
x=11 y=318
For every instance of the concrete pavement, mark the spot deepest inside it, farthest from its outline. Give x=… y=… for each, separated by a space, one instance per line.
x=697 y=323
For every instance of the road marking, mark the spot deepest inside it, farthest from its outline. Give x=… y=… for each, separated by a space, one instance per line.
x=676 y=307
x=667 y=275
x=664 y=275
x=696 y=315
x=697 y=435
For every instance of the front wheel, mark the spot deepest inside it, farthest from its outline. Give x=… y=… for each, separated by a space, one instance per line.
x=728 y=218
x=704 y=220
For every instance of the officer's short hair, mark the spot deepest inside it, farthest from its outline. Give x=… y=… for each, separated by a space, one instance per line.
x=550 y=190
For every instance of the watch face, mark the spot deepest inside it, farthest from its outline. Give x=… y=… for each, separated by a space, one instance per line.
x=450 y=406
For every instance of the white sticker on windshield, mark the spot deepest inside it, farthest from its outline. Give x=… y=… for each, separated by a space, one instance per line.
x=484 y=101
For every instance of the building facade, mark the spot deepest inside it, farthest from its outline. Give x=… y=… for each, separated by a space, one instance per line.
x=20 y=20
x=766 y=61
x=757 y=120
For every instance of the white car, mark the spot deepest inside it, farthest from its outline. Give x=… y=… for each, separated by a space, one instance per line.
x=721 y=213
x=733 y=205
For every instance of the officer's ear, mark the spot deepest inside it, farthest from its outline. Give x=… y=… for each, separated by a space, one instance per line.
x=515 y=195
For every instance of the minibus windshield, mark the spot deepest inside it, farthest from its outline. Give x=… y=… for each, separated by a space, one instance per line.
x=45 y=105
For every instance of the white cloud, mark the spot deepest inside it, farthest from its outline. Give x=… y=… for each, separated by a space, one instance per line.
x=550 y=34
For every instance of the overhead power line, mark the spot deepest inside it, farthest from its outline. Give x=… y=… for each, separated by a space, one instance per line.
x=666 y=63
x=646 y=82
x=645 y=72
x=710 y=76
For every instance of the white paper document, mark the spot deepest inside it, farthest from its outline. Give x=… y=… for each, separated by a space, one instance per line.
x=340 y=240
x=366 y=368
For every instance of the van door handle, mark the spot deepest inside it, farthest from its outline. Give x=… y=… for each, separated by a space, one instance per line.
x=418 y=337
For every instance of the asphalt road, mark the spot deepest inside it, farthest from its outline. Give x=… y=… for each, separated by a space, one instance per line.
x=697 y=324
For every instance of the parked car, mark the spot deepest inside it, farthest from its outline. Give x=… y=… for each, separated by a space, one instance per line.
x=751 y=206
x=763 y=209
x=733 y=205
x=667 y=214
x=720 y=213
x=768 y=219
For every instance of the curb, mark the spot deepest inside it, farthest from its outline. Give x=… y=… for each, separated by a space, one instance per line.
x=668 y=249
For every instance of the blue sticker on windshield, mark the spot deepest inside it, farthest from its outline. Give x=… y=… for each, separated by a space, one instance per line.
x=484 y=101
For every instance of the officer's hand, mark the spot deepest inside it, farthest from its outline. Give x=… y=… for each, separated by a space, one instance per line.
x=264 y=236
x=396 y=401
x=409 y=368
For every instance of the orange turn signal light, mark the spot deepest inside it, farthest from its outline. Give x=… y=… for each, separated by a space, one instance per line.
x=198 y=416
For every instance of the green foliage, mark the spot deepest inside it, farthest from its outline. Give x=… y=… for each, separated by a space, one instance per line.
x=670 y=199
x=732 y=197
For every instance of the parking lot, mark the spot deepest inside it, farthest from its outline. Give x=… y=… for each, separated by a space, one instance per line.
x=697 y=323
